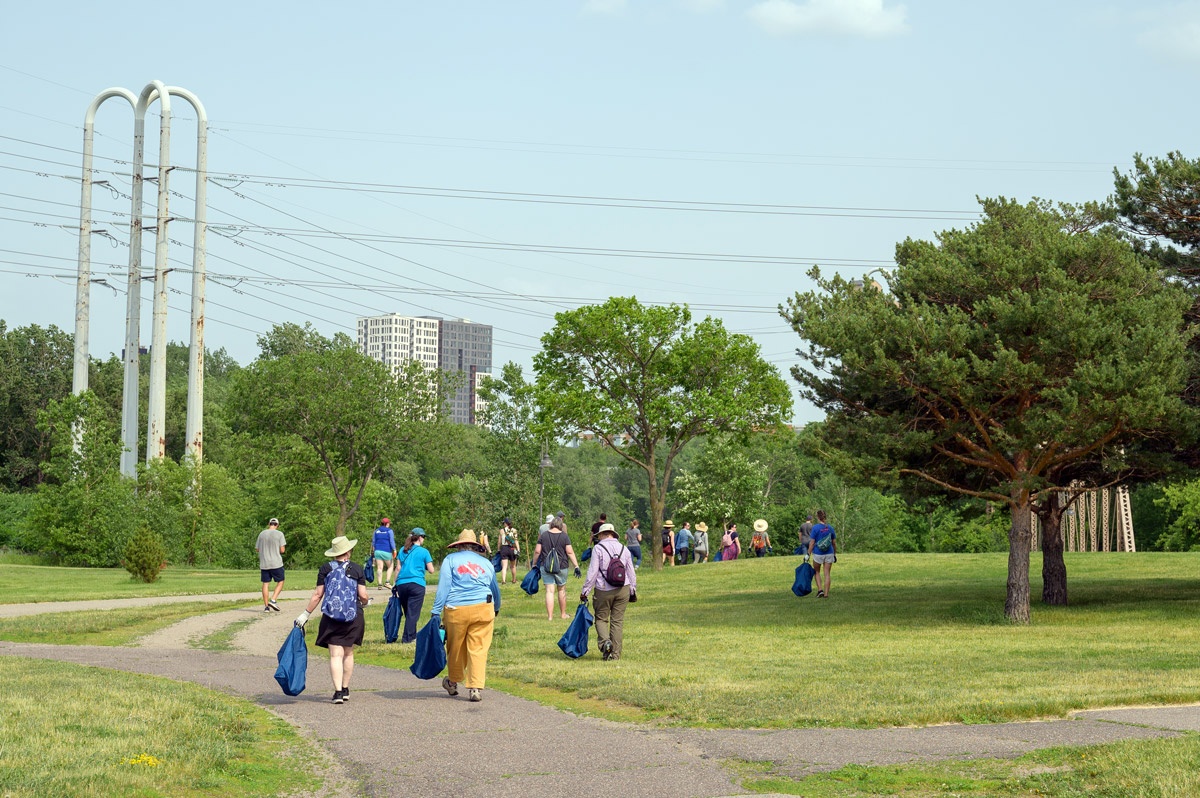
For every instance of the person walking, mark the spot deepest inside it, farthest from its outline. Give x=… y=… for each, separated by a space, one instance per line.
x=731 y=547
x=342 y=593
x=383 y=542
x=683 y=544
x=610 y=598
x=806 y=532
x=415 y=561
x=633 y=541
x=552 y=553
x=270 y=547
x=467 y=602
x=510 y=549
x=701 y=545
x=596 y=528
x=761 y=540
x=668 y=543
x=822 y=546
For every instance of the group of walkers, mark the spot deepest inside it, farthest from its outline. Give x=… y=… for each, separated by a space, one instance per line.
x=468 y=594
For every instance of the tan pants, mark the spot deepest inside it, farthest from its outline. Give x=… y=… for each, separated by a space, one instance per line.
x=468 y=639
x=609 y=606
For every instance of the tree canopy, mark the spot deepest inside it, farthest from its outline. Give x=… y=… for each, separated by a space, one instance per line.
x=1003 y=356
x=645 y=380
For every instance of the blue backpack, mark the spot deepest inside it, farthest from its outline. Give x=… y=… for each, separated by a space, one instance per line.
x=341 y=594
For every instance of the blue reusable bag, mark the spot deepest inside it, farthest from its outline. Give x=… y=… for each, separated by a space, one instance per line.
x=531 y=581
x=799 y=551
x=587 y=554
x=804 y=576
x=391 y=619
x=430 y=658
x=496 y=561
x=574 y=642
x=369 y=570
x=293 y=662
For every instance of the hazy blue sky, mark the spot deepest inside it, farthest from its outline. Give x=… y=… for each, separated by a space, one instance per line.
x=617 y=125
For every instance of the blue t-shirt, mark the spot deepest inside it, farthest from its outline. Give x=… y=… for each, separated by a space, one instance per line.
x=683 y=539
x=384 y=540
x=466 y=579
x=823 y=535
x=412 y=565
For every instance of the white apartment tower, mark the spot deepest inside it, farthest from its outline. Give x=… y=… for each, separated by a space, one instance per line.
x=457 y=346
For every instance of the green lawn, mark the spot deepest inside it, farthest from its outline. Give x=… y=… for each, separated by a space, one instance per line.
x=904 y=639
x=69 y=730
x=21 y=584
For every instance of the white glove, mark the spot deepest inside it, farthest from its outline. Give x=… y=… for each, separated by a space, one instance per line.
x=302 y=618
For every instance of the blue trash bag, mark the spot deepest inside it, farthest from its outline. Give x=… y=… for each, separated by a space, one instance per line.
x=430 y=658
x=587 y=554
x=804 y=576
x=391 y=619
x=369 y=570
x=574 y=642
x=717 y=556
x=496 y=561
x=531 y=581
x=293 y=662
x=800 y=551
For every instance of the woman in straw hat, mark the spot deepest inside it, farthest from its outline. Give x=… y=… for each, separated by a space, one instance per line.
x=610 y=599
x=342 y=593
x=467 y=602
x=701 y=547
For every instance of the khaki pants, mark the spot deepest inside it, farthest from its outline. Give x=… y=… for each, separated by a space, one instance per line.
x=609 y=606
x=468 y=639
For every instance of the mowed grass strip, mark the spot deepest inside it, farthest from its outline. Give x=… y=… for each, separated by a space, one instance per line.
x=22 y=584
x=82 y=731
x=1131 y=769
x=119 y=627
x=903 y=640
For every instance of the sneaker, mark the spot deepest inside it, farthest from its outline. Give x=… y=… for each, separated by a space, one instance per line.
x=820 y=594
x=346 y=694
x=273 y=606
x=267 y=608
x=606 y=648
x=474 y=694
x=449 y=686
x=337 y=697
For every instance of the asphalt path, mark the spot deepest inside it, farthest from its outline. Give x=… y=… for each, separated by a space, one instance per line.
x=405 y=737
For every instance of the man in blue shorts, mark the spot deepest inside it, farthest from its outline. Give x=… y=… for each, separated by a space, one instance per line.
x=270 y=547
x=384 y=544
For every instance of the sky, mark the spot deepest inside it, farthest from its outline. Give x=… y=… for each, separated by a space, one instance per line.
x=504 y=162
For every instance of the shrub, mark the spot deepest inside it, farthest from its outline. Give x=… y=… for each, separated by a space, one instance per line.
x=145 y=555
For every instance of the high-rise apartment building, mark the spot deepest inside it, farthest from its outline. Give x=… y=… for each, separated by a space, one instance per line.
x=457 y=346
x=465 y=349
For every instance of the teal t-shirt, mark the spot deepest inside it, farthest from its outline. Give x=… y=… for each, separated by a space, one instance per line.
x=412 y=565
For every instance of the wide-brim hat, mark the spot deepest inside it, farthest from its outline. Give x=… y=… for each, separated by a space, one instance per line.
x=701 y=527
x=760 y=525
x=668 y=524
x=340 y=545
x=467 y=536
x=606 y=529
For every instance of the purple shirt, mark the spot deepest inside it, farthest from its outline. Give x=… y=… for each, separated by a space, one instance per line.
x=612 y=549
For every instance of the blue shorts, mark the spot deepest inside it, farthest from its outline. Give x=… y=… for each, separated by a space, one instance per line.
x=269 y=574
x=386 y=556
x=554 y=577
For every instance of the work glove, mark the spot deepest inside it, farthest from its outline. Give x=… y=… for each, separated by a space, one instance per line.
x=633 y=598
x=577 y=571
x=303 y=617
x=769 y=550
x=583 y=598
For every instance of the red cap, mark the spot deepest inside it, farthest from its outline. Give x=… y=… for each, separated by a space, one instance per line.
x=386 y=522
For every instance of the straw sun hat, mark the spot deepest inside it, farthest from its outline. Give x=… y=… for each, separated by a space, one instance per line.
x=466 y=537
x=760 y=525
x=340 y=545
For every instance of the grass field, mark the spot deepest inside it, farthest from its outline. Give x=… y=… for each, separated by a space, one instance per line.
x=21 y=583
x=67 y=731
x=903 y=640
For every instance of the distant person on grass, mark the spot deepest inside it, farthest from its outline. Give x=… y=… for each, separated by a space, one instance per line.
x=342 y=593
x=683 y=544
x=668 y=543
x=633 y=542
x=384 y=544
x=467 y=602
x=415 y=561
x=270 y=546
x=596 y=528
x=761 y=541
x=822 y=545
x=510 y=549
x=806 y=532
x=552 y=553
x=701 y=545
x=731 y=547
x=610 y=599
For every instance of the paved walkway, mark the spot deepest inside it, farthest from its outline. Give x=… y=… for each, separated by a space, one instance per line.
x=405 y=737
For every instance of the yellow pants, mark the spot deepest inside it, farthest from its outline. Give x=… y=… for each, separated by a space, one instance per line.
x=468 y=639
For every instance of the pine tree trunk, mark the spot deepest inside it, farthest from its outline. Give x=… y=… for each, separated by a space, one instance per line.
x=1016 y=602
x=1054 y=568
